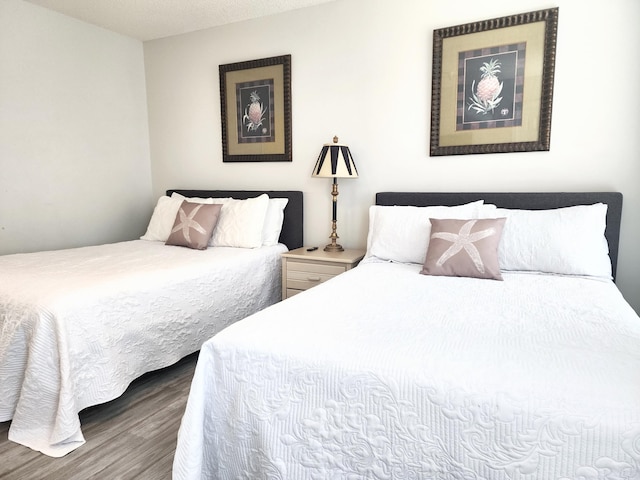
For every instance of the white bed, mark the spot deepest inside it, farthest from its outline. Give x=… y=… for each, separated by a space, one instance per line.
x=384 y=373
x=79 y=325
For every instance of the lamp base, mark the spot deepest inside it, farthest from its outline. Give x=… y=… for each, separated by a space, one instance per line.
x=333 y=247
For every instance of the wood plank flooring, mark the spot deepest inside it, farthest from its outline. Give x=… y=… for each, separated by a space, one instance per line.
x=131 y=437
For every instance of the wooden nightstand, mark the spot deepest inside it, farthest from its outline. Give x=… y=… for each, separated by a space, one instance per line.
x=302 y=269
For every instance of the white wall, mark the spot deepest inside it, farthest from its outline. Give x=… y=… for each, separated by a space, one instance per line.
x=74 y=151
x=362 y=70
x=74 y=148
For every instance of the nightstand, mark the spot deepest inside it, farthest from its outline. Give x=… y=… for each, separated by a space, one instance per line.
x=302 y=269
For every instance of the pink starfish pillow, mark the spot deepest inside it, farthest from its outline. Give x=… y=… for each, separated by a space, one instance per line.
x=194 y=225
x=464 y=248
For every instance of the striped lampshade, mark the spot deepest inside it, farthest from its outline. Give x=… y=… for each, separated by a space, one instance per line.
x=335 y=160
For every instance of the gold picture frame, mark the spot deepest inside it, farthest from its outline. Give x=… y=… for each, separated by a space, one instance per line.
x=492 y=85
x=255 y=104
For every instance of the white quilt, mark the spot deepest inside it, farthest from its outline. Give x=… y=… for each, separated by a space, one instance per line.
x=78 y=325
x=383 y=373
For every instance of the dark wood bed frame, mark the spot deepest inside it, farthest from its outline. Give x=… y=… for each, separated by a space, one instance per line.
x=528 y=201
x=292 y=226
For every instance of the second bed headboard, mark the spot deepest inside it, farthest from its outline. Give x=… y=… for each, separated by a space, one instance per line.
x=292 y=226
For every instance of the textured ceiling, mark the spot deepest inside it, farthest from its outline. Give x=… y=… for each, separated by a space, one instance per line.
x=151 y=19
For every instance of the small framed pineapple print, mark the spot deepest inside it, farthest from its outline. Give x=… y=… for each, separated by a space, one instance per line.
x=255 y=103
x=492 y=85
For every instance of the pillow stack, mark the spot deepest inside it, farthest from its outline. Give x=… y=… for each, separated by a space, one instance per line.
x=480 y=240
x=219 y=222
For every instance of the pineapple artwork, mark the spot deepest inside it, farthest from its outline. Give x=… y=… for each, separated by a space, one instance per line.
x=255 y=111
x=486 y=96
x=490 y=87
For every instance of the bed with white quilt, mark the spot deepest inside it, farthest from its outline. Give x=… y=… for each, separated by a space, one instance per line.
x=78 y=325
x=482 y=337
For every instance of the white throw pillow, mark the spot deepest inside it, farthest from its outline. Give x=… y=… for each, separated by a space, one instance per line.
x=568 y=241
x=273 y=221
x=161 y=223
x=194 y=199
x=241 y=222
x=401 y=233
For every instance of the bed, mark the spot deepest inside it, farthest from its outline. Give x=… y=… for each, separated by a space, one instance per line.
x=387 y=373
x=78 y=325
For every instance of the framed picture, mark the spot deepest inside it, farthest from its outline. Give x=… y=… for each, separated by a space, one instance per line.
x=492 y=85
x=255 y=101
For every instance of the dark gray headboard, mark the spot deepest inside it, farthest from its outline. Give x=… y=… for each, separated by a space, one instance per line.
x=292 y=227
x=528 y=201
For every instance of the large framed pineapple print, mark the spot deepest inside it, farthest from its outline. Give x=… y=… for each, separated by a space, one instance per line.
x=255 y=103
x=492 y=85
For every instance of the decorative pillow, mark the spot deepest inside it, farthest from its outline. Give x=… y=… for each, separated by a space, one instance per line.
x=273 y=221
x=568 y=241
x=241 y=222
x=464 y=248
x=161 y=223
x=401 y=234
x=194 y=225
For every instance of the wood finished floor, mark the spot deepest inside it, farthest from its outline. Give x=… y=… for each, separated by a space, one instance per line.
x=131 y=437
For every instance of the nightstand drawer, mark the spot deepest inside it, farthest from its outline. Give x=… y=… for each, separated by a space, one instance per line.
x=314 y=268
x=303 y=280
x=291 y=292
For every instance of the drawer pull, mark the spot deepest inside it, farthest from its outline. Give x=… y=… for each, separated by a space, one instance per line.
x=313 y=279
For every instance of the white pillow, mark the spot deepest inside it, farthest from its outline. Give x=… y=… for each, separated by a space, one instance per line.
x=568 y=241
x=241 y=222
x=401 y=233
x=194 y=199
x=161 y=223
x=273 y=221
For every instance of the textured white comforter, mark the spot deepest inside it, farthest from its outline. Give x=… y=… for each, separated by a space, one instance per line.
x=79 y=325
x=383 y=373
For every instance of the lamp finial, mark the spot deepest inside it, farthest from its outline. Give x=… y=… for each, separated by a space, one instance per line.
x=335 y=139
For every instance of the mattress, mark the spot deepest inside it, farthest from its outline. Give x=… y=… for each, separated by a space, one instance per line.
x=383 y=373
x=79 y=325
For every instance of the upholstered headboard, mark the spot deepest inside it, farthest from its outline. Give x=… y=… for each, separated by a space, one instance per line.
x=527 y=200
x=292 y=227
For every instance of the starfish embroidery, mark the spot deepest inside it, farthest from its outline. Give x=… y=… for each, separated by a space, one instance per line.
x=187 y=222
x=464 y=239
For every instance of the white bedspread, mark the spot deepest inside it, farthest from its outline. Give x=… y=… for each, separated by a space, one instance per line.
x=79 y=325
x=383 y=373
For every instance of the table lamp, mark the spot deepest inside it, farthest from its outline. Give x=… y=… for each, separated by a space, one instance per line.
x=335 y=161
